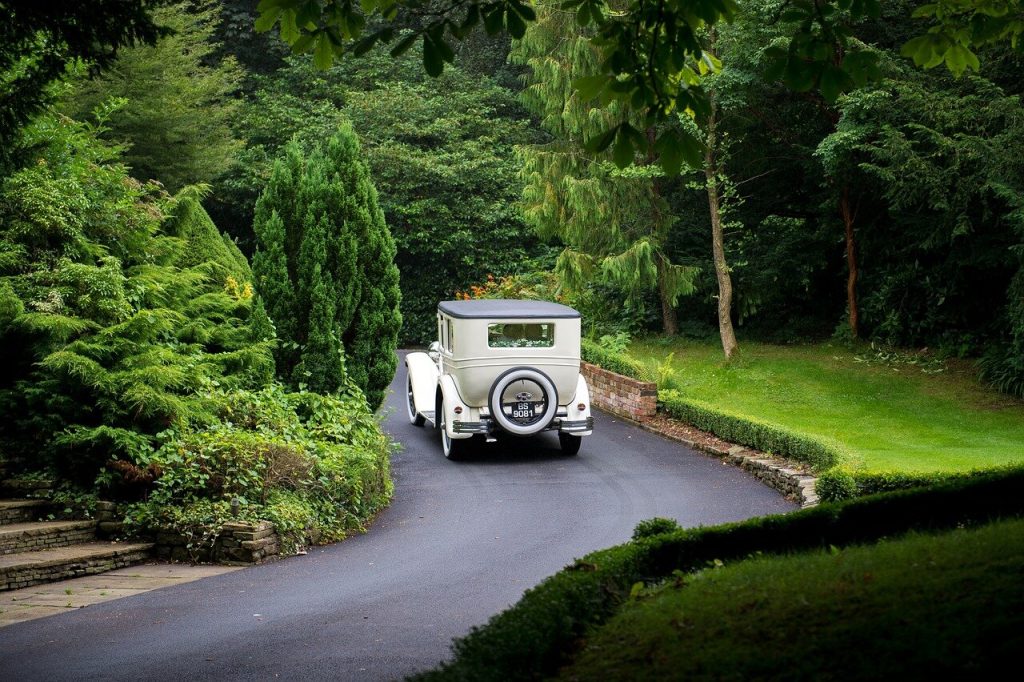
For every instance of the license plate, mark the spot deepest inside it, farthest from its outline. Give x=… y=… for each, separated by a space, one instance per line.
x=523 y=411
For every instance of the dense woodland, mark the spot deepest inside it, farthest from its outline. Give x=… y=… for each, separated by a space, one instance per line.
x=140 y=183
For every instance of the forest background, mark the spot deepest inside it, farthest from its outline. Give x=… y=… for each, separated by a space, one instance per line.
x=892 y=213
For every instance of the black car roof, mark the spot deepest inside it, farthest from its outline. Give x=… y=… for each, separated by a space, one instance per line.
x=506 y=308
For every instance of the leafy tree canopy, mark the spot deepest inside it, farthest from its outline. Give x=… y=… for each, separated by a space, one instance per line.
x=651 y=50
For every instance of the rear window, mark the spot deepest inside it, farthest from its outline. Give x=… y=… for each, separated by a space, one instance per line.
x=521 y=335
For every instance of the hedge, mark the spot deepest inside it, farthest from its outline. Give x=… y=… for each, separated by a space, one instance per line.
x=536 y=636
x=612 y=361
x=750 y=432
x=840 y=483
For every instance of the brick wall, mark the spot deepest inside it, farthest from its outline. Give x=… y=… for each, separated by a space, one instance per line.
x=626 y=397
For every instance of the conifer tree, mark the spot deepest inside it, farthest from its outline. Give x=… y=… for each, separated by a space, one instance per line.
x=180 y=99
x=614 y=223
x=325 y=266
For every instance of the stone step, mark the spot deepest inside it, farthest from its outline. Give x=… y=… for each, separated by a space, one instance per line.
x=25 y=487
x=22 y=511
x=50 y=565
x=28 y=537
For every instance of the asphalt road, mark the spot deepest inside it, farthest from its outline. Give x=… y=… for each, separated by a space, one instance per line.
x=460 y=542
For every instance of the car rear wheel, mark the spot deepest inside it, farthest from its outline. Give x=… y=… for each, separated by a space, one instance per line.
x=570 y=443
x=415 y=418
x=523 y=401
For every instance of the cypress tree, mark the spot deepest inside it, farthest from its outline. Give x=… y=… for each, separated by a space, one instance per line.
x=325 y=265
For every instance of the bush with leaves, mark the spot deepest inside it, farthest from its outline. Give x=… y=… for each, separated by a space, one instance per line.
x=316 y=466
x=114 y=327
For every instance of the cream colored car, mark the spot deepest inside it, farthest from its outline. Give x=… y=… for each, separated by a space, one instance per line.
x=501 y=366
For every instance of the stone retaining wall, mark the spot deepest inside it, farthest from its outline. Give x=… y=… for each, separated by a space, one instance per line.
x=638 y=401
x=238 y=543
x=21 y=511
x=36 y=574
x=627 y=397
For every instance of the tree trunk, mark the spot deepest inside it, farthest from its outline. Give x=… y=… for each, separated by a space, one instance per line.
x=670 y=321
x=725 y=329
x=851 y=261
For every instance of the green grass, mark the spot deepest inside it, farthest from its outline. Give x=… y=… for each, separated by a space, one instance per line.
x=921 y=607
x=888 y=416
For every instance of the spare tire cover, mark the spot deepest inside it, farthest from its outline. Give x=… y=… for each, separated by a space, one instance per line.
x=523 y=400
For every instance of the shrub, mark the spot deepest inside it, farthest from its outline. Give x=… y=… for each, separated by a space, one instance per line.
x=656 y=526
x=842 y=484
x=835 y=484
x=316 y=466
x=533 y=638
x=108 y=338
x=619 y=363
x=750 y=432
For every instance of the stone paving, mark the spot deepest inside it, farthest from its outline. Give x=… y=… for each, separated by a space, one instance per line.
x=40 y=601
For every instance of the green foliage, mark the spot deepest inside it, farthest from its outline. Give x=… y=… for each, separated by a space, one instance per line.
x=534 y=638
x=656 y=526
x=840 y=483
x=905 y=602
x=116 y=342
x=204 y=243
x=38 y=41
x=325 y=268
x=425 y=142
x=940 y=164
x=885 y=417
x=613 y=361
x=316 y=466
x=179 y=100
x=751 y=432
x=835 y=484
x=615 y=224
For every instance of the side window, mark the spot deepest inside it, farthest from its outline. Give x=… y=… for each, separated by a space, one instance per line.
x=451 y=336
x=442 y=332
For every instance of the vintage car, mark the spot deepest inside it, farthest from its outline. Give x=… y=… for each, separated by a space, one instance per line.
x=501 y=366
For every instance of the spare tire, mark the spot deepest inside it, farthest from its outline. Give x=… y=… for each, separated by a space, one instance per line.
x=523 y=401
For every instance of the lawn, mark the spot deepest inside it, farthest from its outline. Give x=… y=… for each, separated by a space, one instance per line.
x=899 y=412
x=922 y=607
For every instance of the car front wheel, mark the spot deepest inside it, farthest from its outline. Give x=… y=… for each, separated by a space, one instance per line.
x=415 y=418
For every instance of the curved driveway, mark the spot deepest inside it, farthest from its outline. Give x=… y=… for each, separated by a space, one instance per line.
x=460 y=542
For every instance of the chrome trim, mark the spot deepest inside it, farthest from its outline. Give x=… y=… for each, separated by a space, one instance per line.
x=575 y=426
x=469 y=427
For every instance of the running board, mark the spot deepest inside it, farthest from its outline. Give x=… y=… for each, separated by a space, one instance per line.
x=429 y=416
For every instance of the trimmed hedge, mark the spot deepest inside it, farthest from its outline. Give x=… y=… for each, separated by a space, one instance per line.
x=843 y=484
x=750 y=432
x=537 y=635
x=620 y=363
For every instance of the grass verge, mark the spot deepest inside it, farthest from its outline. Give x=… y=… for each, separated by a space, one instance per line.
x=896 y=414
x=925 y=606
x=537 y=635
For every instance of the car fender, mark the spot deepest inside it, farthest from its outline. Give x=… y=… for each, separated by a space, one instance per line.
x=423 y=374
x=451 y=398
x=582 y=396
